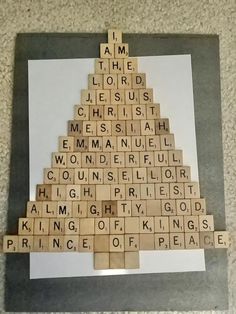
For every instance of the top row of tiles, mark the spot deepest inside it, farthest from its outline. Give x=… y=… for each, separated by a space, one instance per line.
x=114 y=48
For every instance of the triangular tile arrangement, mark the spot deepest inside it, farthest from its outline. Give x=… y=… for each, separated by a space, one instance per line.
x=117 y=184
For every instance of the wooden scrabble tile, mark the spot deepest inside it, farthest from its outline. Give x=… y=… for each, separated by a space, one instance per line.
x=139 y=112
x=121 y=50
x=71 y=243
x=131 y=96
x=10 y=244
x=162 y=241
x=162 y=126
x=71 y=226
x=102 y=226
x=132 y=242
x=81 y=112
x=117 y=192
x=103 y=96
x=221 y=239
x=110 y=175
x=103 y=192
x=125 y=175
x=161 y=158
x=89 y=128
x=118 y=128
x=207 y=240
x=168 y=174
x=130 y=65
x=114 y=36
x=95 y=81
x=49 y=209
x=41 y=226
x=64 y=208
x=117 y=225
x=56 y=243
x=88 y=192
x=132 y=225
x=183 y=207
x=191 y=224
x=109 y=209
x=132 y=159
x=81 y=176
x=162 y=190
x=139 y=175
x=116 y=243
x=116 y=66
x=146 y=242
x=79 y=209
x=66 y=176
x=51 y=175
x=59 y=160
x=147 y=127
x=124 y=81
x=133 y=128
x=88 y=97
x=96 y=113
x=110 y=81
x=88 y=159
x=191 y=190
x=40 y=243
x=192 y=240
x=56 y=226
x=168 y=207
x=175 y=158
x=66 y=144
x=101 y=66
x=95 y=176
x=73 y=160
x=139 y=208
x=132 y=191
x=101 y=243
x=139 y=80
x=152 y=142
x=117 y=260
x=146 y=159
x=73 y=192
x=152 y=111
x=183 y=174
x=124 y=112
x=161 y=224
x=26 y=226
x=103 y=128
x=177 y=191
x=153 y=174
x=86 y=243
x=117 y=96
x=153 y=207
x=123 y=208
x=109 y=143
x=206 y=222
x=103 y=160
x=25 y=244
x=146 y=224
x=147 y=191
x=107 y=51
x=58 y=192
x=81 y=144
x=101 y=261
x=198 y=206
x=86 y=226
x=138 y=143
x=177 y=241
x=146 y=96
x=132 y=260
x=176 y=223
x=167 y=141
x=118 y=160
x=34 y=209
x=43 y=192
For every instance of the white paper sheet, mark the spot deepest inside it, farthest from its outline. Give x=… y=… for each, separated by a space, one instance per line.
x=54 y=88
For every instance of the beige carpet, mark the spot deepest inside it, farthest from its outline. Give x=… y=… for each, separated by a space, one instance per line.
x=137 y=16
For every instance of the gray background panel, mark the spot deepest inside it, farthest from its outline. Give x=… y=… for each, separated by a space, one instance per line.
x=181 y=291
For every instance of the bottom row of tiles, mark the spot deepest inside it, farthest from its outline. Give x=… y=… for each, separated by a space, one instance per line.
x=116 y=260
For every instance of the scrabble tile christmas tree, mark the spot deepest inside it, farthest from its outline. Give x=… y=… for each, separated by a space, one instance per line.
x=117 y=184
